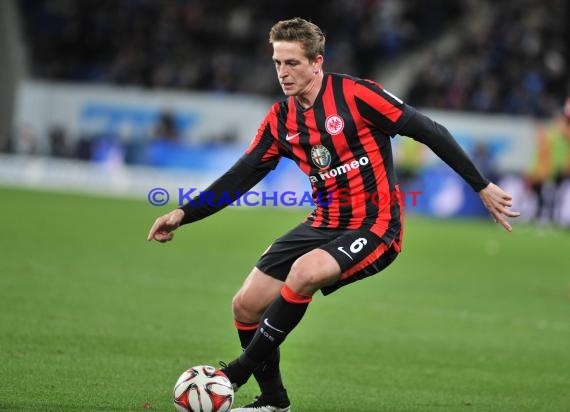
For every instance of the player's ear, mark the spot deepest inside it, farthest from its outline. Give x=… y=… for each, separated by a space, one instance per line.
x=317 y=64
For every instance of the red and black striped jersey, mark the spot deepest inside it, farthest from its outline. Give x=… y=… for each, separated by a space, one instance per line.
x=342 y=143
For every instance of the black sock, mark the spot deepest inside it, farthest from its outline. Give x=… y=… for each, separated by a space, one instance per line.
x=268 y=375
x=246 y=331
x=278 y=320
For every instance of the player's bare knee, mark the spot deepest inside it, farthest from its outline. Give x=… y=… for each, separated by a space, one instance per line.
x=243 y=311
x=313 y=271
x=239 y=308
x=303 y=278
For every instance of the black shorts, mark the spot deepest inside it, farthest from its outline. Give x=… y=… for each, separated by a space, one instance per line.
x=360 y=253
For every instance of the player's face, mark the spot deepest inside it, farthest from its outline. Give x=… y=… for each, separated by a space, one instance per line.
x=296 y=73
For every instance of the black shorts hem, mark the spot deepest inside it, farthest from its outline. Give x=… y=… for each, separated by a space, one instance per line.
x=348 y=247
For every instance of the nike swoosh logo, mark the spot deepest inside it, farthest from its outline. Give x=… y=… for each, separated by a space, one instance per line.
x=272 y=327
x=289 y=137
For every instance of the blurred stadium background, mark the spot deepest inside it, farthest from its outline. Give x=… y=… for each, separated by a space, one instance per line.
x=113 y=98
x=181 y=86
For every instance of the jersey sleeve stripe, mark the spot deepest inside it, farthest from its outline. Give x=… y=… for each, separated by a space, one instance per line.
x=264 y=147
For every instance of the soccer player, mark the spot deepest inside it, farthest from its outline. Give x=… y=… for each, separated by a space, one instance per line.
x=337 y=128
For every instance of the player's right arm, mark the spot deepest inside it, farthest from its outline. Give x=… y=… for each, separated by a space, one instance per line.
x=259 y=159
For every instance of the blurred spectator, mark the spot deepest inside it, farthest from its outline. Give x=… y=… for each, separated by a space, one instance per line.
x=59 y=146
x=84 y=147
x=28 y=141
x=410 y=159
x=483 y=158
x=166 y=129
x=549 y=176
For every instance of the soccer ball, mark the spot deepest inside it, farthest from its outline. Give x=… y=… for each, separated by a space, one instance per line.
x=203 y=389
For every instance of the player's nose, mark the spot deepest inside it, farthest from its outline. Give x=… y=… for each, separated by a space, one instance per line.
x=282 y=73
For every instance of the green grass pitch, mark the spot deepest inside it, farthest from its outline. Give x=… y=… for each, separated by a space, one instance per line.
x=95 y=318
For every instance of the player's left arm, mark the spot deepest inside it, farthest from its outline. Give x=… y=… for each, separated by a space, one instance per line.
x=441 y=142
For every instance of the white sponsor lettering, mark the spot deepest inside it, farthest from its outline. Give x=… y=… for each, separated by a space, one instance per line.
x=340 y=170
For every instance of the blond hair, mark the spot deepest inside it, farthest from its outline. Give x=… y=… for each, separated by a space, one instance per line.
x=308 y=34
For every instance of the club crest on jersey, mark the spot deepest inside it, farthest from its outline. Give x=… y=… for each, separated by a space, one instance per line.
x=334 y=124
x=321 y=156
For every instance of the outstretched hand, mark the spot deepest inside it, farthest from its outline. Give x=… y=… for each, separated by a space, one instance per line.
x=497 y=202
x=163 y=227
